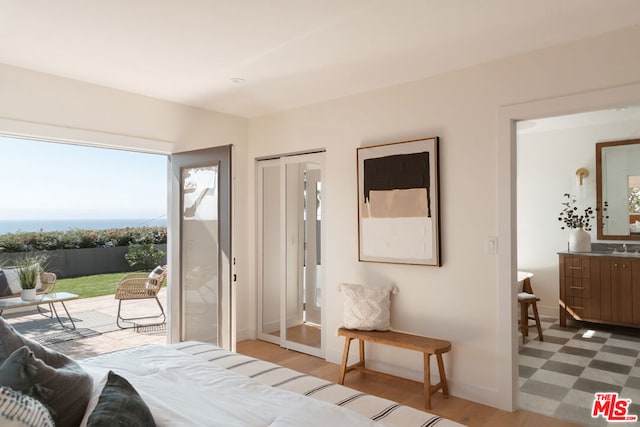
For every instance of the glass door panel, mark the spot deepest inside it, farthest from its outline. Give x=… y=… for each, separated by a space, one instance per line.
x=200 y=250
x=312 y=262
x=295 y=243
x=199 y=240
x=270 y=240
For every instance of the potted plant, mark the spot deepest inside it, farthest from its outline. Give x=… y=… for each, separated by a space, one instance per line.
x=578 y=222
x=29 y=269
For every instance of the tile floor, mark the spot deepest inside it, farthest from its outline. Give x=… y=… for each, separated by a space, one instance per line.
x=559 y=376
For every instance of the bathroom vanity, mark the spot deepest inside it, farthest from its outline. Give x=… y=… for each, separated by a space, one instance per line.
x=601 y=287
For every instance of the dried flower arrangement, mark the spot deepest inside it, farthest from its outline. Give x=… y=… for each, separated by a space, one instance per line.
x=572 y=218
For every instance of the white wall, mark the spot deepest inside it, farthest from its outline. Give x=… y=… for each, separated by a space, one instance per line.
x=458 y=301
x=547 y=163
x=44 y=106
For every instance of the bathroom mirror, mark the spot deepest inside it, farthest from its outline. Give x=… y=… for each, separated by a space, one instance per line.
x=618 y=185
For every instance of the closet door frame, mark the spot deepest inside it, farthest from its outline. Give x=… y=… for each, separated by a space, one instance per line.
x=282 y=162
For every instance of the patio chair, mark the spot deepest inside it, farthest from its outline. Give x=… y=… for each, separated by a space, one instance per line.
x=136 y=286
x=48 y=283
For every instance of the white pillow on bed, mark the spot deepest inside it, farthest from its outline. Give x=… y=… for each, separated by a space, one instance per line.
x=367 y=308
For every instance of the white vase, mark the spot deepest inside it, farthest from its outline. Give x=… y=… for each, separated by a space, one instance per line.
x=579 y=240
x=28 y=294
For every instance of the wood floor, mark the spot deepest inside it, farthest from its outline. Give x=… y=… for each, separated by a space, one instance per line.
x=463 y=411
x=306 y=334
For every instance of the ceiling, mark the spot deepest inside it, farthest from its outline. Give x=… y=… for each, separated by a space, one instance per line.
x=289 y=52
x=589 y=118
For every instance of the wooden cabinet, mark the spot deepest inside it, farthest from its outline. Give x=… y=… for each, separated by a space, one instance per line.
x=597 y=288
x=575 y=287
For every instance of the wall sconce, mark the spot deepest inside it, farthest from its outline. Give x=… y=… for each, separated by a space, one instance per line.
x=581 y=174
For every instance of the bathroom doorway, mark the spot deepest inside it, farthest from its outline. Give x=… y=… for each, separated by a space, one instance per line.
x=559 y=375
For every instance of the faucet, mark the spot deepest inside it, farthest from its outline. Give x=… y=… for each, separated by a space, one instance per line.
x=624 y=246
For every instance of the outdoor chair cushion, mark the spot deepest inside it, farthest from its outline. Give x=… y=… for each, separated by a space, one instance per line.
x=156 y=272
x=13 y=279
x=11 y=274
x=5 y=290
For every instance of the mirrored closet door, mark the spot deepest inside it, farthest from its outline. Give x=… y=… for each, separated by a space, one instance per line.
x=289 y=259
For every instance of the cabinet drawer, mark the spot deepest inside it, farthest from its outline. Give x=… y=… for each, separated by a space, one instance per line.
x=577 y=267
x=577 y=290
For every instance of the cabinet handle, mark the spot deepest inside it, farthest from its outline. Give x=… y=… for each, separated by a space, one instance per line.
x=577 y=287
x=615 y=265
x=574 y=268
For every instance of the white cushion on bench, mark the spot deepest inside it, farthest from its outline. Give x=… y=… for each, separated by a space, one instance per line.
x=367 y=308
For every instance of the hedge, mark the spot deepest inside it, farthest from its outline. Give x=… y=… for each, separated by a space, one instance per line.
x=80 y=238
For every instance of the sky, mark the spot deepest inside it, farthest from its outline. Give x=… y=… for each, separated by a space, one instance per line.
x=61 y=181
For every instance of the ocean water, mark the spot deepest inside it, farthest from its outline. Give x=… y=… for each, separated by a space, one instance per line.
x=13 y=226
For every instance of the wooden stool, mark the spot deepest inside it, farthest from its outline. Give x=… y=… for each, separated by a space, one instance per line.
x=427 y=346
x=527 y=299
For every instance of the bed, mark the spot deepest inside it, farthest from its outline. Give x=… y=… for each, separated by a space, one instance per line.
x=186 y=384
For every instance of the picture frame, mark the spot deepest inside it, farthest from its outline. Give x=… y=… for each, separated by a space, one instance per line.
x=398 y=202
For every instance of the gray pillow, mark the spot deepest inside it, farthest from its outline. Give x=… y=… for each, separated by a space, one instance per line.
x=120 y=405
x=54 y=379
x=11 y=340
x=15 y=372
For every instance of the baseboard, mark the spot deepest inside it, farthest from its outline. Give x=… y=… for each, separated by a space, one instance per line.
x=245 y=334
x=549 y=310
x=482 y=395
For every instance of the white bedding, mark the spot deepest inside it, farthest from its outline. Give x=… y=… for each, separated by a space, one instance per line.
x=184 y=390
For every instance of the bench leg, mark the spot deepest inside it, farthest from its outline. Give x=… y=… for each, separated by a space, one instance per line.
x=428 y=388
x=427 y=381
x=443 y=375
x=345 y=358
x=361 y=346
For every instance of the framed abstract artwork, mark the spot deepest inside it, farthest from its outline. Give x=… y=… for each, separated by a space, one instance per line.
x=398 y=212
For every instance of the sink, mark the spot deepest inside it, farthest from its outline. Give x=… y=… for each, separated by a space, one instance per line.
x=626 y=254
x=611 y=252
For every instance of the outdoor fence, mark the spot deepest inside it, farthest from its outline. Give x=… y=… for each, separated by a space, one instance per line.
x=83 y=262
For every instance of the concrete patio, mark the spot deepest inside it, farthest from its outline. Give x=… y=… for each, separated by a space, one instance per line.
x=96 y=331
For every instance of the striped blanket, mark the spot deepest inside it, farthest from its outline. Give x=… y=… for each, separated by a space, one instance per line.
x=375 y=408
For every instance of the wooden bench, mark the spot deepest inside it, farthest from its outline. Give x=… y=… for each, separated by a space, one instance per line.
x=427 y=346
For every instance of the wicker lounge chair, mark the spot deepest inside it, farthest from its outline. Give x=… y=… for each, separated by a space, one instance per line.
x=135 y=286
